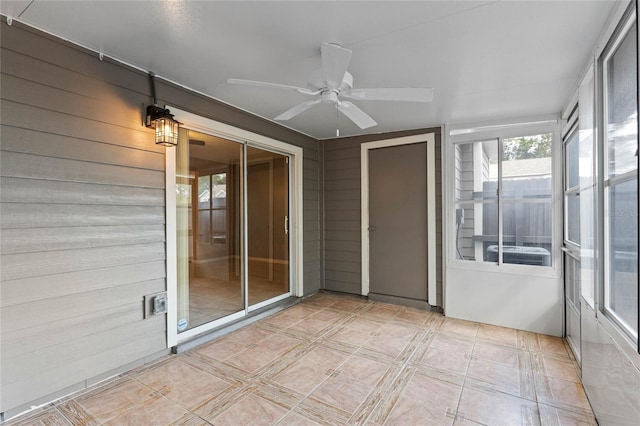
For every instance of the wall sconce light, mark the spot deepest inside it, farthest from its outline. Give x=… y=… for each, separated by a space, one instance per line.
x=161 y=120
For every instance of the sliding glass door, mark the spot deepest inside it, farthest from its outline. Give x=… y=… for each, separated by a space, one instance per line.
x=267 y=225
x=232 y=240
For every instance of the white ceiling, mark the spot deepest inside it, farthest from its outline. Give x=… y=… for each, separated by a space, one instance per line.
x=486 y=60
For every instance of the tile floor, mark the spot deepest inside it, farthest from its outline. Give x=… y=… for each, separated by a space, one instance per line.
x=344 y=361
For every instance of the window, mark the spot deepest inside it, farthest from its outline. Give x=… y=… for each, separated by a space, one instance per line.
x=503 y=193
x=572 y=190
x=476 y=199
x=212 y=208
x=620 y=179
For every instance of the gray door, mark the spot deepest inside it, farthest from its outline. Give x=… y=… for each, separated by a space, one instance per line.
x=398 y=221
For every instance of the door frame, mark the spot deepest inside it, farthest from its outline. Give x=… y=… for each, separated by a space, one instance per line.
x=235 y=134
x=430 y=140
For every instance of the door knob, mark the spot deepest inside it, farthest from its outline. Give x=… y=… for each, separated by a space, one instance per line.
x=372 y=228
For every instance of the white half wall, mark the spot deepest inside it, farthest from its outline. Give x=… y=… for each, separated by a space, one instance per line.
x=525 y=302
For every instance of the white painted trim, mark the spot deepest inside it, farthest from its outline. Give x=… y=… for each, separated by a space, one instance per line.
x=247 y=138
x=432 y=298
x=191 y=333
x=540 y=125
x=474 y=290
x=429 y=138
x=207 y=125
x=268 y=302
x=492 y=131
x=172 y=247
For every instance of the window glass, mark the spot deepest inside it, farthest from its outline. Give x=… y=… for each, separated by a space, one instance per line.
x=586 y=100
x=587 y=244
x=526 y=167
x=527 y=233
x=620 y=87
x=587 y=207
x=621 y=292
x=571 y=187
x=526 y=190
x=622 y=107
x=571 y=162
x=476 y=186
x=572 y=218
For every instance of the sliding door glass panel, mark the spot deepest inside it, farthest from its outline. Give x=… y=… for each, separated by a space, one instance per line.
x=267 y=225
x=209 y=227
x=476 y=193
x=527 y=191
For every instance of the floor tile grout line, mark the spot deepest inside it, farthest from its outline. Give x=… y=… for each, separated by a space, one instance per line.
x=425 y=330
x=403 y=363
x=464 y=381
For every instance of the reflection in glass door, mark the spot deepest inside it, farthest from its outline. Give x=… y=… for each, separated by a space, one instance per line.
x=267 y=225
x=209 y=226
x=229 y=258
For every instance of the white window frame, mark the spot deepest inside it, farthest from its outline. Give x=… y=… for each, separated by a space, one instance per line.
x=216 y=128
x=482 y=131
x=608 y=318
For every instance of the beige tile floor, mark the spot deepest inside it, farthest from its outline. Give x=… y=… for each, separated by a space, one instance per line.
x=344 y=361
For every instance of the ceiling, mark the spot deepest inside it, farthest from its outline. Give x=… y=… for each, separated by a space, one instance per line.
x=486 y=60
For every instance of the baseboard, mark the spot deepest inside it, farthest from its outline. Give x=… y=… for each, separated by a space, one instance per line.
x=404 y=301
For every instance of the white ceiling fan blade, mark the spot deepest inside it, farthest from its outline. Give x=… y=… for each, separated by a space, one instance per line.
x=335 y=60
x=356 y=115
x=272 y=86
x=298 y=109
x=406 y=94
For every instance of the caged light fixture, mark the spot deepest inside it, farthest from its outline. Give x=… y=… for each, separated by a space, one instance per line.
x=161 y=120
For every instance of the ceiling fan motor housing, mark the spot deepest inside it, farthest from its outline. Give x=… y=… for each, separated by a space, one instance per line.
x=317 y=83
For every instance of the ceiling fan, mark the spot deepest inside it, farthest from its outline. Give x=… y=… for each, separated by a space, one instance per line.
x=331 y=83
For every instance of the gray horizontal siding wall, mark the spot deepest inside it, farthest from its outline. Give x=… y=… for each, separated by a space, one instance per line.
x=341 y=211
x=82 y=198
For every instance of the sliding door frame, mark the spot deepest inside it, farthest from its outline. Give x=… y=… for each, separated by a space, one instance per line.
x=205 y=125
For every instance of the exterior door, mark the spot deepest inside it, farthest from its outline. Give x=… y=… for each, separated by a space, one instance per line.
x=571 y=245
x=232 y=209
x=398 y=221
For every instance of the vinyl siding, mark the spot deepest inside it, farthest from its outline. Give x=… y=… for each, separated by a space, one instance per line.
x=82 y=201
x=341 y=185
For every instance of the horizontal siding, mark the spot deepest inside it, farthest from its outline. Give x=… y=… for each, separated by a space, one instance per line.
x=15 y=241
x=27 y=141
x=311 y=221
x=18 y=190
x=341 y=198
x=34 y=215
x=82 y=204
x=24 y=290
x=25 y=265
x=82 y=198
